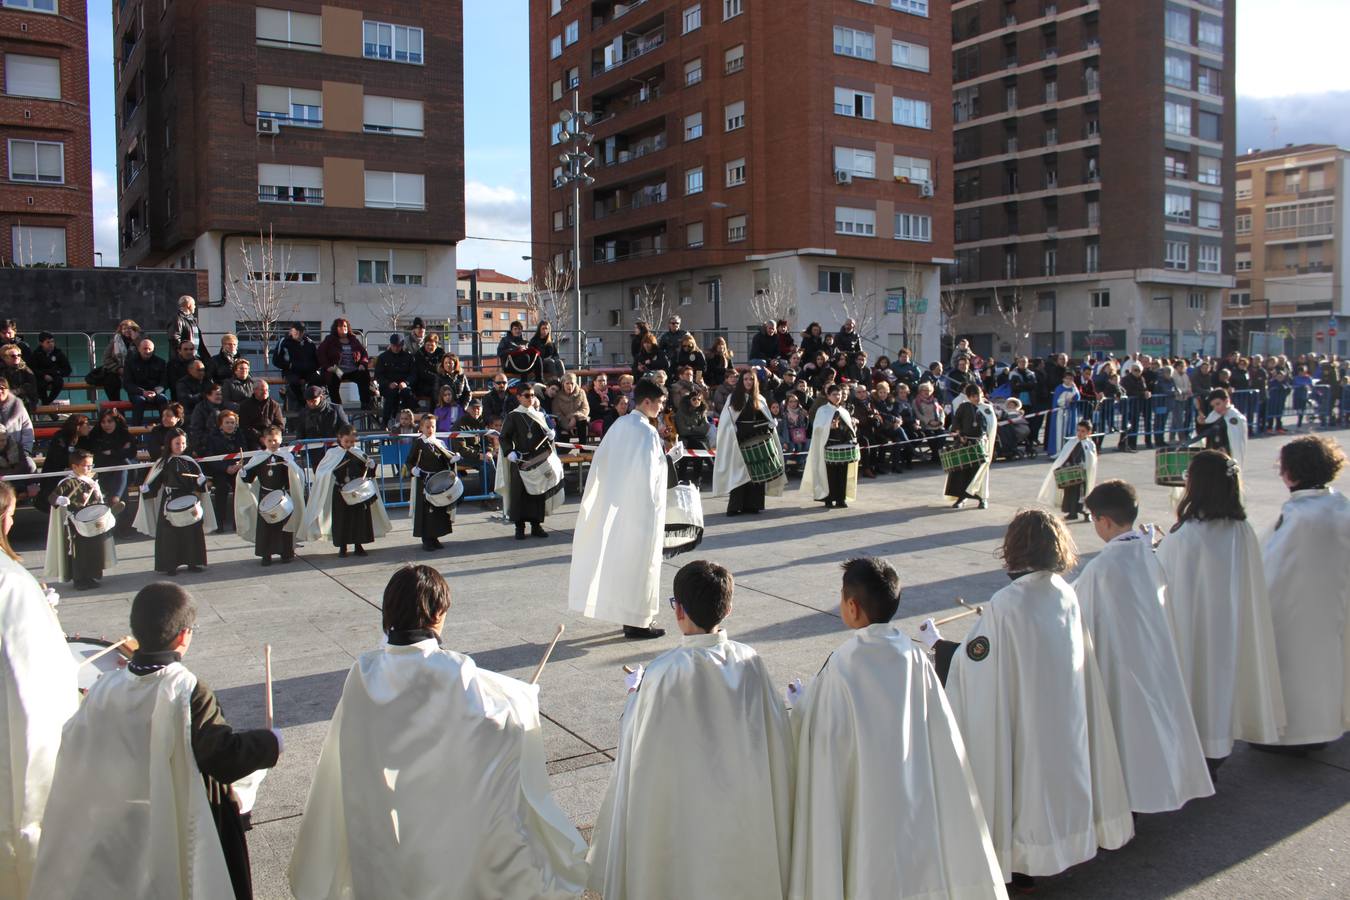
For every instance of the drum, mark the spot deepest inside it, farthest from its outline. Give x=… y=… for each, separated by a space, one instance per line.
x=275 y=507
x=1170 y=465
x=443 y=488
x=762 y=459
x=521 y=360
x=842 y=454
x=93 y=521
x=358 y=491
x=184 y=511
x=81 y=648
x=967 y=456
x=1070 y=476
x=684 y=520
x=543 y=475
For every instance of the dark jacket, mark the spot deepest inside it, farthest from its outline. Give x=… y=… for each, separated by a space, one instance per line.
x=426 y=365
x=236 y=390
x=330 y=352
x=255 y=416
x=296 y=357
x=693 y=358
x=220 y=368
x=176 y=370
x=321 y=422
x=508 y=343
x=669 y=341
x=203 y=421
x=496 y=406
x=54 y=363
x=391 y=367
x=22 y=383
x=458 y=384
x=847 y=341
x=764 y=346
x=547 y=349
x=182 y=328
x=188 y=391
x=143 y=374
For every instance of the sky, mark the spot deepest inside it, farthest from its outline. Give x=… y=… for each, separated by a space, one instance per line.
x=1293 y=87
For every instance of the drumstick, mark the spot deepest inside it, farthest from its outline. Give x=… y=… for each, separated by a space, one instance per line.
x=104 y=652
x=961 y=615
x=534 y=679
x=267 y=681
x=979 y=610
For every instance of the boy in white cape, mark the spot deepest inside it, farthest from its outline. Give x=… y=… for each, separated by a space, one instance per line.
x=1079 y=450
x=886 y=804
x=703 y=731
x=325 y=519
x=272 y=469
x=835 y=483
x=431 y=782
x=1123 y=595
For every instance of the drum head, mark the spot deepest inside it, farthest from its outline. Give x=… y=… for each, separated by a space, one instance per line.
x=81 y=648
x=92 y=513
x=181 y=504
x=272 y=500
x=440 y=482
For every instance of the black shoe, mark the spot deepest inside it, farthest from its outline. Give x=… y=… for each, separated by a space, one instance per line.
x=360 y=551
x=342 y=552
x=85 y=584
x=267 y=560
x=841 y=505
x=984 y=504
x=1021 y=884
x=638 y=633
x=520 y=531
x=431 y=545
x=1069 y=517
x=735 y=513
x=285 y=558
x=959 y=504
x=196 y=568
x=537 y=530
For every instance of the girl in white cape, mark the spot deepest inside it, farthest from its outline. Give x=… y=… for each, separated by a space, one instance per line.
x=1079 y=450
x=731 y=477
x=835 y=483
x=328 y=516
x=175 y=475
x=274 y=469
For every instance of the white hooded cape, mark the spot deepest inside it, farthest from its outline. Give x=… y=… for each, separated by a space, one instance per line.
x=38 y=693
x=432 y=784
x=247 y=496
x=1307 y=565
x=56 y=563
x=135 y=822
x=1050 y=492
x=729 y=471
x=1236 y=426
x=147 y=510
x=814 y=483
x=886 y=804
x=1220 y=618
x=616 y=547
x=1122 y=593
x=706 y=731
x=319 y=511
x=1027 y=692
x=979 y=485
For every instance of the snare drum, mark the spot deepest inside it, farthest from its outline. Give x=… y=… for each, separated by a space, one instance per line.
x=81 y=648
x=684 y=520
x=762 y=459
x=1170 y=465
x=275 y=507
x=1070 y=476
x=443 y=488
x=358 y=491
x=967 y=456
x=95 y=520
x=184 y=511
x=842 y=454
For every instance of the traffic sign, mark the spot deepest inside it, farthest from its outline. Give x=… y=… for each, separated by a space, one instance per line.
x=1320 y=335
x=1331 y=331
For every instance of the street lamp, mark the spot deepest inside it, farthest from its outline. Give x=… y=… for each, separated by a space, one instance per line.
x=575 y=162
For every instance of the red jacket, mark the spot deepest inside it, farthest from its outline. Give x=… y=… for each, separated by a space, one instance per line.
x=330 y=352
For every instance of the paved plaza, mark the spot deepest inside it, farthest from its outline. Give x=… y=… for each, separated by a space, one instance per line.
x=1279 y=827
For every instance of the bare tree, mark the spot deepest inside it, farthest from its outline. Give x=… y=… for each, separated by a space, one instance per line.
x=258 y=292
x=777 y=301
x=912 y=313
x=952 y=302
x=549 y=295
x=649 y=304
x=859 y=303
x=1016 y=314
x=393 y=306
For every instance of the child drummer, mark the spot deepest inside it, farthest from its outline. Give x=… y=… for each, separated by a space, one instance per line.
x=273 y=469
x=332 y=517
x=174 y=477
x=70 y=555
x=1080 y=453
x=428 y=456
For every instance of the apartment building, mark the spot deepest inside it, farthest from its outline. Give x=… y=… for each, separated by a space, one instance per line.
x=1093 y=174
x=750 y=156
x=501 y=301
x=318 y=146
x=47 y=198
x=1292 y=254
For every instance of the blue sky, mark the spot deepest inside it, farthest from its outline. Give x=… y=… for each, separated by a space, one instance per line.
x=1293 y=87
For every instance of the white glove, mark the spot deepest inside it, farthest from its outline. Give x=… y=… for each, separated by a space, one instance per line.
x=417 y=472
x=52 y=596
x=795 y=691
x=552 y=433
x=61 y=501
x=633 y=680
x=513 y=456
x=201 y=481
x=929 y=634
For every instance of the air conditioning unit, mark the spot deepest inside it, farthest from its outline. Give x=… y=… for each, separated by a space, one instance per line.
x=268 y=125
x=926 y=189
x=843 y=176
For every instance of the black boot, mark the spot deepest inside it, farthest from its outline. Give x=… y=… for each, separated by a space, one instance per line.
x=342 y=552
x=520 y=531
x=537 y=530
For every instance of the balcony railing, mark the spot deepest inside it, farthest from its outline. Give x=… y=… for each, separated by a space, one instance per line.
x=640 y=47
x=604 y=256
x=130 y=174
x=628 y=103
x=648 y=196
x=283 y=193
x=307 y=121
x=620 y=10
x=642 y=148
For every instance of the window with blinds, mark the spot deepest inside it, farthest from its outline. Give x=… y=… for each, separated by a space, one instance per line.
x=288 y=262
x=297 y=31
x=391 y=115
x=395 y=190
x=384 y=265
x=290 y=184
x=32 y=76
x=296 y=106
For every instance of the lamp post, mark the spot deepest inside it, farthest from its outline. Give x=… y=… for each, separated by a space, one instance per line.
x=575 y=162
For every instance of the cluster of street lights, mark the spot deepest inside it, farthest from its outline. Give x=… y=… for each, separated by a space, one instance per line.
x=575 y=162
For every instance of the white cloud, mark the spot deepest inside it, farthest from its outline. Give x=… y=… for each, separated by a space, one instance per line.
x=1283 y=51
x=496 y=211
x=105 y=217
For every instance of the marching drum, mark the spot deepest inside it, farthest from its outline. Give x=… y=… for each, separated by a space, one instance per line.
x=81 y=648
x=541 y=472
x=358 y=491
x=443 y=488
x=1070 y=476
x=967 y=456
x=762 y=459
x=684 y=519
x=1170 y=465
x=521 y=360
x=93 y=521
x=183 y=511
x=842 y=454
x=276 y=507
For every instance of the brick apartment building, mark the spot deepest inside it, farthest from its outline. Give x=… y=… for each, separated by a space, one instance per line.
x=337 y=128
x=1094 y=173
x=794 y=150
x=47 y=198
x=1292 y=254
x=501 y=301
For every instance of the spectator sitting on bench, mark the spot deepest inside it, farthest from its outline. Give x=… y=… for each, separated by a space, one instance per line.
x=206 y=416
x=220 y=368
x=51 y=367
x=22 y=381
x=144 y=378
x=178 y=367
x=240 y=385
x=191 y=386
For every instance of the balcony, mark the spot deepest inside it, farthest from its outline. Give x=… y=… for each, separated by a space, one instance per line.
x=289 y=194
x=315 y=120
x=605 y=108
x=628 y=51
x=636 y=150
x=613 y=12
x=648 y=195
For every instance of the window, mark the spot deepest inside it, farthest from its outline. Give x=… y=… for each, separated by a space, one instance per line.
x=1049 y=261
x=38 y=246
x=851 y=42
x=858 y=104
x=735 y=58
x=736 y=228
x=389 y=266
x=1210 y=34
x=981 y=306
x=391 y=115
x=572 y=33
x=1310 y=219
x=555 y=133
x=400 y=43
x=912 y=168
x=1210 y=82
x=909 y=56
x=693 y=234
x=1177 y=207
x=732 y=8
x=48 y=6
x=33 y=76
x=295 y=106
x=1176 y=255
x=1240 y=298
x=40 y=161
x=693 y=18
x=1177 y=117
x=1197 y=300
x=859 y=163
x=1243 y=223
x=912 y=227
x=395 y=190
x=298 y=31
x=557 y=89
x=860 y=222
x=1208 y=126
x=736 y=172
x=1177 y=26
x=555 y=7
x=555 y=46
x=1175 y=165
x=290 y=262
x=693 y=126
x=1094 y=213
x=290 y=184
x=1208 y=170
x=1092 y=257
x=573 y=78
x=1208 y=258
x=735 y=115
x=834 y=281
x=911 y=113
x=1207 y=214
x=1100 y=299
x=693 y=181
x=693 y=71
x=913 y=7
x=1177 y=70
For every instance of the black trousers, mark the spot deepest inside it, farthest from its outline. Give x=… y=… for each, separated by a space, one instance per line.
x=1073 y=499
x=836 y=479
x=50 y=390
x=360 y=376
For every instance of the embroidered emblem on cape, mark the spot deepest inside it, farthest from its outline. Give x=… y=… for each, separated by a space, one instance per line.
x=978 y=648
x=1233 y=421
